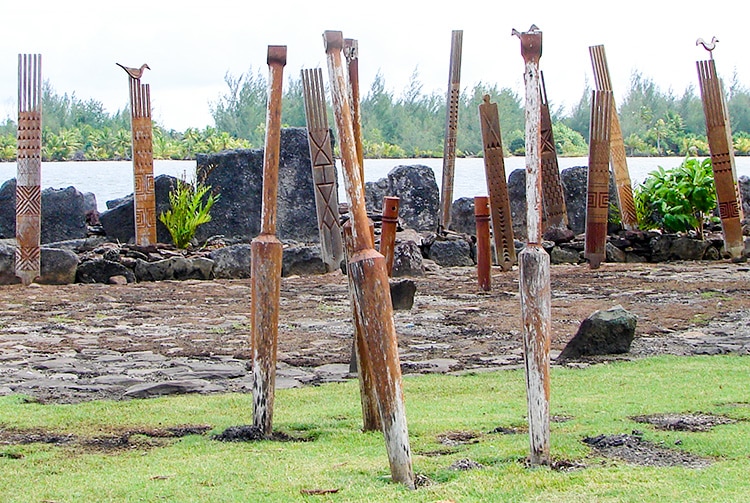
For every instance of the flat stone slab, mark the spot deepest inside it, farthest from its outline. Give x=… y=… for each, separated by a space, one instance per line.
x=152 y=389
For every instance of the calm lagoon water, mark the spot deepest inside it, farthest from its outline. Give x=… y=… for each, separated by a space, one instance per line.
x=114 y=179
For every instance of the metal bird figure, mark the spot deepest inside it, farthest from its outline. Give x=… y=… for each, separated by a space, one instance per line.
x=709 y=46
x=134 y=73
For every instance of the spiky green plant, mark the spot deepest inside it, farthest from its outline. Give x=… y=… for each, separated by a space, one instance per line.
x=190 y=207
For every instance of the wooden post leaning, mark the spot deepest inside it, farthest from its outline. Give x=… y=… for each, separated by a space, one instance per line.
x=497 y=185
x=451 y=130
x=266 y=255
x=597 y=199
x=534 y=264
x=29 y=169
x=484 y=253
x=618 y=159
x=722 y=153
x=370 y=283
x=553 y=197
x=144 y=198
x=388 y=231
x=323 y=169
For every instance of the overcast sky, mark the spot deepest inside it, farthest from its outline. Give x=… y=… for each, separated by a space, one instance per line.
x=191 y=45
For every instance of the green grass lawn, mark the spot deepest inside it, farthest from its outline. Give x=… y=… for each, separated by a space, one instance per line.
x=338 y=456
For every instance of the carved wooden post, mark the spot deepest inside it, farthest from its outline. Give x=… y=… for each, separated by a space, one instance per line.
x=497 y=185
x=451 y=130
x=351 y=54
x=616 y=144
x=144 y=202
x=266 y=254
x=323 y=169
x=597 y=200
x=388 y=231
x=722 y=153
x=29 y=168
x=553 y=197
x=370 y=281
x=484 y=254
x=536 y=296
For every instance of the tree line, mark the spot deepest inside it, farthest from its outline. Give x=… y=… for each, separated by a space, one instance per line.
x=410 y=125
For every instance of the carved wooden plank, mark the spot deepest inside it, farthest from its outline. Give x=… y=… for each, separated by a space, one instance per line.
x=451 y=130
x=370 y=280
x=323 y=169
x=618 y=159
x=497 y=185
x=597 y=200
x=722 y=157
x=484 y=253
x=534 y=263
x=29 y=168
x=553 y=198
x=266 y=256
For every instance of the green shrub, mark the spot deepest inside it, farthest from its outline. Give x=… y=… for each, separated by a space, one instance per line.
x=190 y=207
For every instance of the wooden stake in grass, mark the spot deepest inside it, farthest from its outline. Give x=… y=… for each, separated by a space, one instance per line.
x=536 y=296
x=484 y=253
x=369 y=278
x=597 y=199
x=388 y=230
x=266 y=255
x=451 y=130
x=29 y=168
x=722 y=153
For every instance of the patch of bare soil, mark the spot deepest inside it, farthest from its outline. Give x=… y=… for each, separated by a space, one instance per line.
x=453 y=438
x=684 y=422
x=633 y=449
x=250 y=433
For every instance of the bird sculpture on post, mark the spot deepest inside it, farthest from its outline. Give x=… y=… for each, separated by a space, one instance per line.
x=265 y=258
x=534 y=262
x=135 y=73
x=369 y=280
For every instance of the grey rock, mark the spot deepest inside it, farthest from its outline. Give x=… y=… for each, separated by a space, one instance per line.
x=179 y=268
x=603 y=333
x=744 y=185
x=58 y=266
x=8 y=209
x=665 y=247
x=407 y=259
x=302 y=260
x=575 y=188
x=417 y=190
x=232 y=261
x=517 y=196
x=451 y=253
x=63 y=214
x=564 y=255
x=119 y=221
x=462 y=216
x=402 y=294
x=101 y=271
x=614 y=254
x=162 y=388
x=8 y=264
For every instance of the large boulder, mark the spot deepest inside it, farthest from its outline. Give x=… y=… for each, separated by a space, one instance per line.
x=119 y=221
x=517 y=196
x=232 y=261
x=237 y=176
x=8 y=209
x=418 y=193
x=603 y=333
x=575 y=189
x=58 y=266
x=744 y=184
x=463 y=219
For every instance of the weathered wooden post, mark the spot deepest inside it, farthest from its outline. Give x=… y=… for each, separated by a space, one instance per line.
x=616 y=144
x=323 y=169
x=266 y=254
x=536 y=296
x=29 y=168
x=451 y=130
x=484 y=253
x=370 y=282
x=722 y=152
x=144 y=198
x=553 y=197
x=497 y=185
x=597 y=200
x=388 y=231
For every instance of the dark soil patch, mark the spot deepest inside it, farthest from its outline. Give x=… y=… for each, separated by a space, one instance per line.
x=633 y=449
x=512 y=430
x=437 y=452
x=684 y=422
x=458 y=438
x=249 y=433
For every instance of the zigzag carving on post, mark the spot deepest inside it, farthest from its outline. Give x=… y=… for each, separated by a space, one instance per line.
x=29 y=168
x=553 y=198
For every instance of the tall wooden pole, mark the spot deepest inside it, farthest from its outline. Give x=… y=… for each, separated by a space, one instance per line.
x=497 y=184
x=266 y=256
x=451 y=130
x=371 y=290
x=597 y=200
x=536 y=296
x=388 y=230
x=29 y=168
x=722 y=154
x=484 y=254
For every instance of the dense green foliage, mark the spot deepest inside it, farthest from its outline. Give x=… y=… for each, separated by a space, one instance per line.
x=411 y=124
x=676 y=199
x=190 y=207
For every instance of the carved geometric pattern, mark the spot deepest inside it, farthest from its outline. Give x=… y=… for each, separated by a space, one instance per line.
x=28 y=200
x=143 y=162
x=323 y=168
x=553 y=200
x=494 y=169
x=451 y=130
x=598 y=178
x=722 y=156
